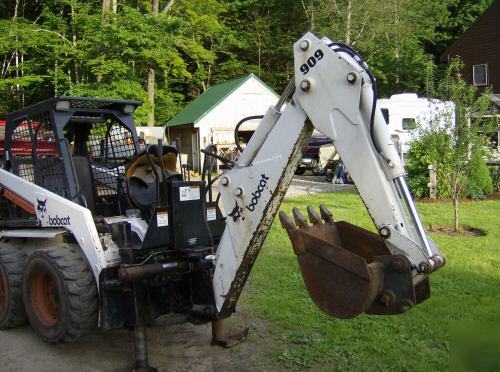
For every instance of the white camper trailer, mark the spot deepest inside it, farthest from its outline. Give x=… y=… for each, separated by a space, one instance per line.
x=405 y=113
x=151 y=135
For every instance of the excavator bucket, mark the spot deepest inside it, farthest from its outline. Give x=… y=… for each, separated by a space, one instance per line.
x=348 y=270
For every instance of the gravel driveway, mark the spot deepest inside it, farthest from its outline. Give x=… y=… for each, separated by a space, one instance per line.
x=309 y=185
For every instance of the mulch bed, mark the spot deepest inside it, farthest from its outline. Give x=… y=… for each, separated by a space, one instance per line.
x=465 y=231
x=494 y=196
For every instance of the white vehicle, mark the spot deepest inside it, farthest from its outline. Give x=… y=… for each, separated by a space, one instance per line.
x=151 y=135
x=79 y=252
x=405 y=113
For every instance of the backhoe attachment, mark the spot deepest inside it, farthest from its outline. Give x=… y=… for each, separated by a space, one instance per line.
x=348 y=270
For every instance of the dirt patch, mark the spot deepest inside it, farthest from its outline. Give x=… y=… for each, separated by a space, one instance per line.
x=184 y=347
x=465 y=231
x=494 y=196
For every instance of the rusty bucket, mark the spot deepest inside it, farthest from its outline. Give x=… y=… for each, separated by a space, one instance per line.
x=348 y=270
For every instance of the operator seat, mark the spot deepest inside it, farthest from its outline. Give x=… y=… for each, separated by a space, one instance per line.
x=141 y=178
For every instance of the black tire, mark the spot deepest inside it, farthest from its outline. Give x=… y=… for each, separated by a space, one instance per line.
x=12 y=261
x=300 y=171
x=60 y=294
x=329 y=176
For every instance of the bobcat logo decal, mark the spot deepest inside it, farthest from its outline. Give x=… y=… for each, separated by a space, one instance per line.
x=41 y=206
x=236 y=213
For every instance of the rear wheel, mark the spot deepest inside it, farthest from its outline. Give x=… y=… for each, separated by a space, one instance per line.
x=60 y=294
x=12 y=261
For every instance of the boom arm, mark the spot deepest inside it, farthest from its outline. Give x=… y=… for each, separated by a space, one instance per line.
x=336 y=93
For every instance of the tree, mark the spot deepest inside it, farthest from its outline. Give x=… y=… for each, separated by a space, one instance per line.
x=167 y=52
x=98 y=48
x=462 y=130
x=389 y=34
x=458 y=17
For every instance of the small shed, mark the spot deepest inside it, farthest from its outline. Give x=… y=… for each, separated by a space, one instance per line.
x=212 y=117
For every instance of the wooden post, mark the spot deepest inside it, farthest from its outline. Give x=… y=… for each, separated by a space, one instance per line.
x=432 y=181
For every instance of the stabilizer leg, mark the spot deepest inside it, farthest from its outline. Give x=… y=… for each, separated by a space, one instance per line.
x=141 y=351
x=221 y=338
x=140 y=337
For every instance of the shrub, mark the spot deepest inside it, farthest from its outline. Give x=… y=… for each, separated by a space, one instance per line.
x=479 y=183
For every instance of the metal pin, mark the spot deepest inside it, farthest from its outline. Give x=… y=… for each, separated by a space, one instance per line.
x=304 y=45
x=351 y=77
x=305 y=85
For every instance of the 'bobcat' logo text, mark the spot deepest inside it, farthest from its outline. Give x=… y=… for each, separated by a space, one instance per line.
x=59 y=221
x=258 y=193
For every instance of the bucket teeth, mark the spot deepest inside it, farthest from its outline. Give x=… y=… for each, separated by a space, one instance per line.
x=313 y=216
x=299 y=218
x=301 y=221
x=286 y=222
x=326 y=215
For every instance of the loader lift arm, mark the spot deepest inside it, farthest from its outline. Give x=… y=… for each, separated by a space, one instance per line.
x=347 y=270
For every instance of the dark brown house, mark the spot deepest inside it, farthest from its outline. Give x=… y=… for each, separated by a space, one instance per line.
x=479 y=49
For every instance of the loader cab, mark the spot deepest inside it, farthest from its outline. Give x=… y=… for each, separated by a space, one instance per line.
x=75 y=147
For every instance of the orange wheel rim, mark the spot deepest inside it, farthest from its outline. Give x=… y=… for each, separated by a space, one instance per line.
x=45 y=298
x=3 y=291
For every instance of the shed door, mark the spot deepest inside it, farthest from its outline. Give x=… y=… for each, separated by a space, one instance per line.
x=195 y=148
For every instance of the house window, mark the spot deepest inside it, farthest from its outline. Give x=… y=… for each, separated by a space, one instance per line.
x=409 y=124
x=480 y=74
x=385 y=114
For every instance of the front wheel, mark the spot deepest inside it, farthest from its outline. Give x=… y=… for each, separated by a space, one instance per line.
x=60 y=294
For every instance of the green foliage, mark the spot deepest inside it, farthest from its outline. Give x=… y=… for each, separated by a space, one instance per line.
x=479 y=183
x=434 y=148
x=495 y=176
x=460 y=14
x=124 y=89
x=429 y=148
x=390 y=35
x=59 y=46
x=465 y=127
x=70 y=47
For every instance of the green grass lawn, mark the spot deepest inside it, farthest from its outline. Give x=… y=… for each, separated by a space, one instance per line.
x=466 y=289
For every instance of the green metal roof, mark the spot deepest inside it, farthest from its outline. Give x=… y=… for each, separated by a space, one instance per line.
x=204 y=103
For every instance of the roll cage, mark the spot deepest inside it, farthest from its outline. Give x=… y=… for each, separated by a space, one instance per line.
x=75 y=147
